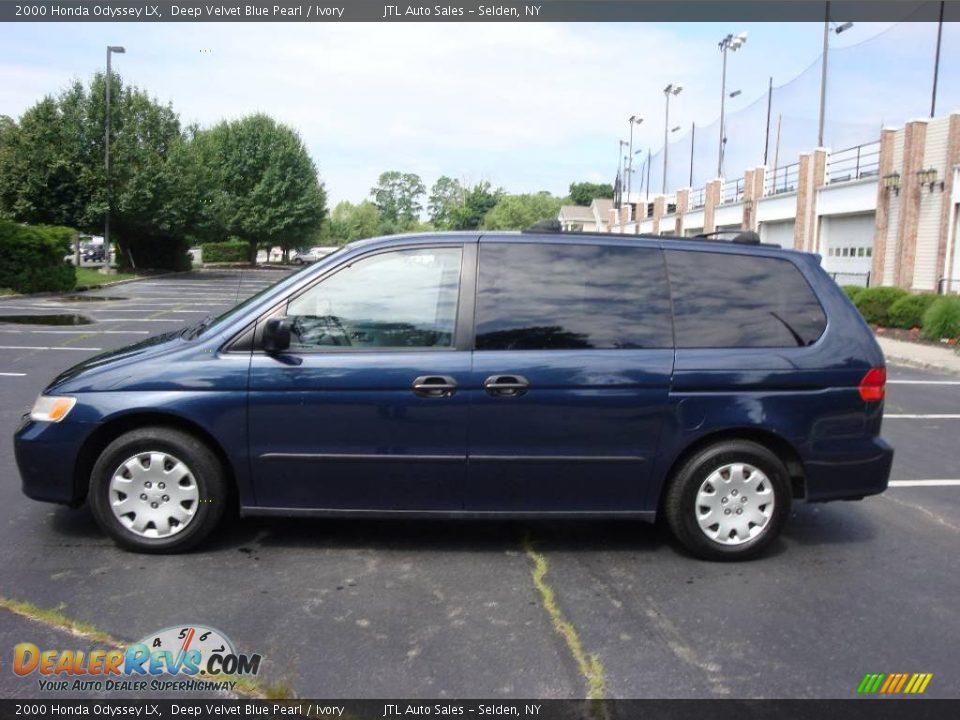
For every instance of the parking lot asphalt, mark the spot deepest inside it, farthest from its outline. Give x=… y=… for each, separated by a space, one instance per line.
x=431 y=609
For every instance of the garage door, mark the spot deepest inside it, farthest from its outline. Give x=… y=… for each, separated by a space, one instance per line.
x=778 y=233
x=846 y=243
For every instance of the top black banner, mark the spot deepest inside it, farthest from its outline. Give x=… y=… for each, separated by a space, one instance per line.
x=510 y=11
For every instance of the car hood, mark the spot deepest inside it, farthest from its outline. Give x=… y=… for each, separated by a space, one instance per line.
x=121 y=357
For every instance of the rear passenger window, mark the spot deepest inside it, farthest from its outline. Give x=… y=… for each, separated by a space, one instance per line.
x=558 y=297
x=742 y=301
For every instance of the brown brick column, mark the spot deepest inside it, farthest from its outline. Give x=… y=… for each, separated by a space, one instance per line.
x=810 y=176
x=887 y=137
x=953 y=159
x=914 y=144
x=624 y=217
x=613 y=219
x=659 y=206
x=748 y=201
x=683 y=200
x=803 y=193
x=711 y=197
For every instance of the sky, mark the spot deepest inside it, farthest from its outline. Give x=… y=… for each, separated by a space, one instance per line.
x=526 y=107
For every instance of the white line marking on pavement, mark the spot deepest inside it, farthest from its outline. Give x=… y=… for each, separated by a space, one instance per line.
x=3 y=374
x=923 y=382
x=139 y=320
x=924 y=483
x=78 y=332
x=949 y=416
x=44 y=347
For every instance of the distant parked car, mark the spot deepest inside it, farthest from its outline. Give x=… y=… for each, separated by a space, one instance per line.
x=311 y=255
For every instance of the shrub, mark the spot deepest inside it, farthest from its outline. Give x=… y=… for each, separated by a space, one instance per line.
x=31 y=257
x=853 y=291
x=874 y=303
x=907 y=312
x=942 y=319
x=229 y=251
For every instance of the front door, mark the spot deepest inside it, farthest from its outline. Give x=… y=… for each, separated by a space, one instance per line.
x=571 y=373
x=367 y=409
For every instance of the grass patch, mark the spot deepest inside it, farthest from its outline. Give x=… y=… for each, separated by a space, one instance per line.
x=590 y=666
x=91 y=277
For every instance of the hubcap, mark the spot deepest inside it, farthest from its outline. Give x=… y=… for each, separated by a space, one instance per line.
x=734 y=504
x=154 y=495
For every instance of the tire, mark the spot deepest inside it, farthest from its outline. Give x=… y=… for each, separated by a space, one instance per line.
x=708 y=524
x=190 y=477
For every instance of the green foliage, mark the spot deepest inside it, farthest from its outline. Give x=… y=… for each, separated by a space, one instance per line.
x=516 y=212
x=853 y=291
x=397 y=197
x=478 y=201
x=31 y=257
x=350 y=222
x=941 y=320
x=583 y=193
x=446 y=196
x=907 y=312
x=874 y=303
x=263 y=184
x=229 y=251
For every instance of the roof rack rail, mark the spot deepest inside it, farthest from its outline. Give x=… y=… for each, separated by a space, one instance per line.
x=743 y=237
x=545 y=226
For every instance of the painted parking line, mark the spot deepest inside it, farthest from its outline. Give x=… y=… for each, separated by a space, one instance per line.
x=946 y=416
x=923 y=382
x=924 y=483
x=139 y=320
x=45 y=347
x=6 y=374
x=75 y=332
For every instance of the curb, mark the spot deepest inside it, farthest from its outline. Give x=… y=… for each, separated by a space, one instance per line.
x=919 y=364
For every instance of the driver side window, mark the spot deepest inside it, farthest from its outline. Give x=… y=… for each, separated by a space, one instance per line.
x=398 y=299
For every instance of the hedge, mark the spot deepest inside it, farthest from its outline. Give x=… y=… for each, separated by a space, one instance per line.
x=229 y=251
x=942 y=319
x=907 y=312
x=31 y=257
x=853 y=291
x=874 y=303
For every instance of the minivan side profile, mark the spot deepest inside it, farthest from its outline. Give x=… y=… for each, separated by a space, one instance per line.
x=535 y=374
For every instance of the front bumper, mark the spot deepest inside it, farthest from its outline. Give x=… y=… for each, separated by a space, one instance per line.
x=865 y=471
x=46 y=455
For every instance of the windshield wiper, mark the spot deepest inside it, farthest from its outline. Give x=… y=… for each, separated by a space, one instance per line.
x=192 y=331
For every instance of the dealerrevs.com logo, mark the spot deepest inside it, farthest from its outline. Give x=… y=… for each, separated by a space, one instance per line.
x=177 y=659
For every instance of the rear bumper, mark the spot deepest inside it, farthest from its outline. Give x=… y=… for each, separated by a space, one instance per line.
x=46 y=455
x=857 y=474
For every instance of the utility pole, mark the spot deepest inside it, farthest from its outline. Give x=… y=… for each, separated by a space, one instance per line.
x=106 y=146
x=936 y=62
x=730 y=42
x=766 y=142
x=671 y=89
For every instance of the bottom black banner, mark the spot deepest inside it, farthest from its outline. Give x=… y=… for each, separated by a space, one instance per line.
x=862 y=709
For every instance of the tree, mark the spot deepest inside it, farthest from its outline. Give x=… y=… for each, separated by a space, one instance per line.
x=397 y=197
x=478 y=201
x=583 y=193
x=446 y=195
x=349 y=222
x=266 y=186
x=516 y=212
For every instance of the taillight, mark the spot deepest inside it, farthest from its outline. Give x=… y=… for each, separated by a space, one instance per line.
x=873 y=385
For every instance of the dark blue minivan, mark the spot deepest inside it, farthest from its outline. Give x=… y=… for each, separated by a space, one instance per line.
x=537 y=374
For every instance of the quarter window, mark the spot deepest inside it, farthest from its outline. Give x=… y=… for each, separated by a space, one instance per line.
x=728 y=300
x=399 y=299
x=559 y=296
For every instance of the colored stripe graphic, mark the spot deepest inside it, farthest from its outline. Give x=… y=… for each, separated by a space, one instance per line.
x=894 y=683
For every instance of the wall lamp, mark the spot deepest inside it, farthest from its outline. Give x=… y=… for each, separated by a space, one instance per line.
x=928 y=177
x=892 y=182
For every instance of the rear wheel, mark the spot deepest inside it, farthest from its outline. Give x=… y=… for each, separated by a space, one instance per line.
x=729 y=500
x=157 y=490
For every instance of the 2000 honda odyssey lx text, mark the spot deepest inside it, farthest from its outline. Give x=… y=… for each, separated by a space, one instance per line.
x=515 y=374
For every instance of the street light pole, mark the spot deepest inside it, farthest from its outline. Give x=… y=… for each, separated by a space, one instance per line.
x=634 y=120
x=671 y=89
x=734 y=43
x=823 y=69
x=106 y=146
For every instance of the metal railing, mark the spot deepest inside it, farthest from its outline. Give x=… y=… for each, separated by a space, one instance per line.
x=732 y=192
x=783 y=179
x=854 y=163
x=698 y=198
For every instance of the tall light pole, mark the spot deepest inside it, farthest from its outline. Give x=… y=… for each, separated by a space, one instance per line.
x=827 y=27
x=620 y=166
x=671 y=89
x=730 y=42
x=106 y=146
x=634 y=120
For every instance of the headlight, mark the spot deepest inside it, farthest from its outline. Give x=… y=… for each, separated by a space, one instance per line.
x=49 y=408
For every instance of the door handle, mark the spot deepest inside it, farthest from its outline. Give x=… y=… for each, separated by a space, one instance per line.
x=506 y=385
x=434 y=386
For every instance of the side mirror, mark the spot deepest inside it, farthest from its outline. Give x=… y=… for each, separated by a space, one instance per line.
x=276 y=335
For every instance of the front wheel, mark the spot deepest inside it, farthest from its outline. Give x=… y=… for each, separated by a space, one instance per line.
x=157 y=490
x=729 y=500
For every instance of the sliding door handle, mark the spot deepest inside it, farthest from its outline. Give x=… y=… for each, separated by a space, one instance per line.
x=506 y=385
x=434 y=386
